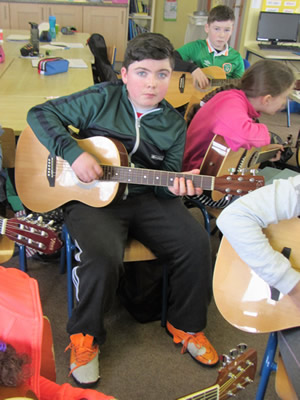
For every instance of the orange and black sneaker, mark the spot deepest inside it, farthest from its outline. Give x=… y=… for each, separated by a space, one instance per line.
x=196 y=344
x=84 y=361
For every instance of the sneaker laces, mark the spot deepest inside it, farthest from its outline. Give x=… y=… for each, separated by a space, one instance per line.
x=198 y=339
x=83 y=354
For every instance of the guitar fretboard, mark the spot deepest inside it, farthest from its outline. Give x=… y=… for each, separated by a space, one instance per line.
x=221 y=82
x=152 y=177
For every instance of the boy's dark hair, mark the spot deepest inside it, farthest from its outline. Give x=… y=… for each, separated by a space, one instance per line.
x=220 y=13
x=149 y=46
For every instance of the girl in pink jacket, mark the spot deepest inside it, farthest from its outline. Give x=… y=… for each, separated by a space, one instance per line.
x=233 y=112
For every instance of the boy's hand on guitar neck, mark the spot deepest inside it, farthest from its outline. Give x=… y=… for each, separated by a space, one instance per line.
x=183 y=187
x=295 y=295
x=87 y=168
x=200 y=80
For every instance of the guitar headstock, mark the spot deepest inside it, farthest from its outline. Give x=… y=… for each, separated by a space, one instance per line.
x=33 y=234
x=236 y=373
x=238 y=185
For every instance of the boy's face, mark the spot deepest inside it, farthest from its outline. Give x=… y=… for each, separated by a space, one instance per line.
x=147 y=82
x=219 y=33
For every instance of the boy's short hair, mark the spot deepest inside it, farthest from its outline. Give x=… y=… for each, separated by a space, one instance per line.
x=149 y=46
x=220 y=13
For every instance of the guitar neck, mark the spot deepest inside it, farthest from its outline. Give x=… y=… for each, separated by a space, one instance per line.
x=222 y=82
x=211 y=393
x=3 y=222
x=152 y=177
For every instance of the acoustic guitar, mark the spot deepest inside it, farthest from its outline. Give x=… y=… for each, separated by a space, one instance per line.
x=232 y=378
x=243 y=298
x=217 y=78
x=33 y=234
x=220 y=158
x=53 y=179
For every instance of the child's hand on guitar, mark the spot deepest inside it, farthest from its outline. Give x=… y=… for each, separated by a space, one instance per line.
x=87 y=168
x=200 y=80
x=278 y=154
x=183 y=187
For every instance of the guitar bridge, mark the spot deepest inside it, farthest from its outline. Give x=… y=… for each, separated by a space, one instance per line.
x=51 y=170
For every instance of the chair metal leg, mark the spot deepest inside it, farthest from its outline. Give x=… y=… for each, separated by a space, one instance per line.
x=67 y=256
x=268 y=365
x=22 y=258
x=195 y=203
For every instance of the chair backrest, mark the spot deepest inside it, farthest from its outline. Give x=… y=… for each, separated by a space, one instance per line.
x=102 y=68
x=283 y=385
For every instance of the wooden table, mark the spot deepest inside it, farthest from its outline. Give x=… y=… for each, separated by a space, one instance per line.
x=281 y=55
x=21 y=87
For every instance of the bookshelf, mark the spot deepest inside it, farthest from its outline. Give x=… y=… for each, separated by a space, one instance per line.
x=141 y=17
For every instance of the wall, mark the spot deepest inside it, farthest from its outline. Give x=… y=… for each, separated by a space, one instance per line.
x=174 y=30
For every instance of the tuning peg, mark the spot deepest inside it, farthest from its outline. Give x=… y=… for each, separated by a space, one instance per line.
x=253 y=171
x=232 y=170
x=225 y=359
x=230 y=394
x=29 y=216
x=242 y=347
x=234 y=353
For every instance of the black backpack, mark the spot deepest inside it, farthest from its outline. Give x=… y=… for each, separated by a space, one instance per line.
x=102 y=68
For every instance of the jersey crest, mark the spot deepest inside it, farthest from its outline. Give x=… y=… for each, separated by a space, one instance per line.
x=227 y=67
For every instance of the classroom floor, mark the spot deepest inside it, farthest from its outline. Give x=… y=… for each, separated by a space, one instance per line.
x=140 y=361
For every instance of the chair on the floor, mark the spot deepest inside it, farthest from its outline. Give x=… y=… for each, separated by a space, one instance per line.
x=134 y=251
x=283 y=385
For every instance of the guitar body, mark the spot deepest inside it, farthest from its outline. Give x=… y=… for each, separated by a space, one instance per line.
x=219 y=158
x=7 y=248
x=243 y=298
x=31 y=177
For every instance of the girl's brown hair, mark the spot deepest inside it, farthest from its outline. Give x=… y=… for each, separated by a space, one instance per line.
x=266 y=77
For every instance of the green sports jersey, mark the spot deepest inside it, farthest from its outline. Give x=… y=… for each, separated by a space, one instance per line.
x=200 y=54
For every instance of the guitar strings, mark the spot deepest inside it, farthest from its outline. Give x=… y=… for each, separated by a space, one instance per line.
x=224 y=387
x=207 y=395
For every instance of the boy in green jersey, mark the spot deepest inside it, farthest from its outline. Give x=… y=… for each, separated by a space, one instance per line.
x=213 y=51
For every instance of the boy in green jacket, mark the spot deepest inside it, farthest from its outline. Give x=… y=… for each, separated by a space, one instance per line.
x=213 y=51
x=133 y=112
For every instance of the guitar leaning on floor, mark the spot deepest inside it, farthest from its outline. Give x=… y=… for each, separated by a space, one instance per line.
x=243 y=298
x=53 y=179
x=232 y=378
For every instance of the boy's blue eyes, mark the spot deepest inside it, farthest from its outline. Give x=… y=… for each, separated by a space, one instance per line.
x=161 y=75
